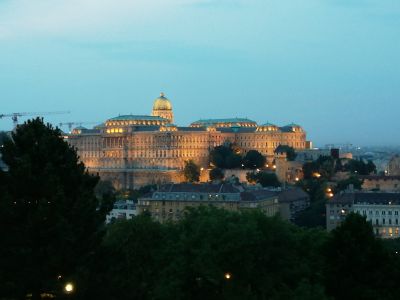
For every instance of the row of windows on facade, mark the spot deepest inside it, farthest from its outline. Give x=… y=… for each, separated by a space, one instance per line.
x=153 y=154
x=377 y=212
x=387 y=231
x=383 y=221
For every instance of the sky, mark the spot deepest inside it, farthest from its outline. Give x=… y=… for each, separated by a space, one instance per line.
x=332 y=66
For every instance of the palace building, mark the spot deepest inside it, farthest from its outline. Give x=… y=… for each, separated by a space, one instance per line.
x=135 y=150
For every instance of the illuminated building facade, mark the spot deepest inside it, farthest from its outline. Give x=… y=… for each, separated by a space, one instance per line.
x=134 y=150
x=381 y=209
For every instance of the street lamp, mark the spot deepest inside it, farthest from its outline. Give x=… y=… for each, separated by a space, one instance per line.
x=69 y=288
x=228 y=276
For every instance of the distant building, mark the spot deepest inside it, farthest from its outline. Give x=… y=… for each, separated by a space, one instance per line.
x=123 y=209
x=136 y=150
x=381 y=183
x=306 y=155
x=170 y=201
x=380 y=208
x=291 y=202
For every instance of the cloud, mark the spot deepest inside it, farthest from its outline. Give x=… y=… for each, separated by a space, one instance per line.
x=21 y=18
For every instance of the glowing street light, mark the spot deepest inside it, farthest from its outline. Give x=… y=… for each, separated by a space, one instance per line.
x=69 y=287
x=228 y=276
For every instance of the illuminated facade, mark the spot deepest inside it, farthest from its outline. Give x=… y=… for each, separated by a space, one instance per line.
x=134 y=150
x=381 y=209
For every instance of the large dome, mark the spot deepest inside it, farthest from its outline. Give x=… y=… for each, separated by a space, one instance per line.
x=162 y=103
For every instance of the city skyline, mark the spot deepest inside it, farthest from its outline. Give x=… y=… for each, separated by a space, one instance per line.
x=331 y=66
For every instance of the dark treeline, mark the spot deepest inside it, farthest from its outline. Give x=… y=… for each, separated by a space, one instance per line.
x=266 y=258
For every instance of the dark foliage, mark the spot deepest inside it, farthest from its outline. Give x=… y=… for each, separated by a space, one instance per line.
x=216 y=174
x=191 y=171
x=263 y=178
x=358 y=264
x=225 y=157
x=360 y=167
x=314 y=215
x=189 y=260
x=253 y=160
x=324 y=165
x=50 y=216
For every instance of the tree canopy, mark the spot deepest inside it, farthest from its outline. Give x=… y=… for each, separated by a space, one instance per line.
x=216 y=174
x=191 y=171
x=254 y=159
x=50 y=216
x=364 y=266
x=263 y=178
x=225 y=157
x=190 y=259
x=358 y=166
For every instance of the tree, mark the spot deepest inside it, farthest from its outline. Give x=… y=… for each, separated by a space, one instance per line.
x=253 y=160
x=51 y=218
x=191 y=171
x=104 y=187
x=3 y=137
x=365 y=268
x=263 y=178
x=360 y=167
x=225 y=157
x=315 y=214
x=259 y=253
x=324 y=166
x=216 y=174
x=131 y=253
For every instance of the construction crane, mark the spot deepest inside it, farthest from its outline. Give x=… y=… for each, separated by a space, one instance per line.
x=14 y=116
x=70 y=124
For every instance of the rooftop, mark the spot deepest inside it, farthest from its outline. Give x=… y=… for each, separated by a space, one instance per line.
x=383 y=198
x=198 y=188
x=228 y=120
x=255 y=195
x=137 y=117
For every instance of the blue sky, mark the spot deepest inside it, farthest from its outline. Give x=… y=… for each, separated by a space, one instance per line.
x=331 y=65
